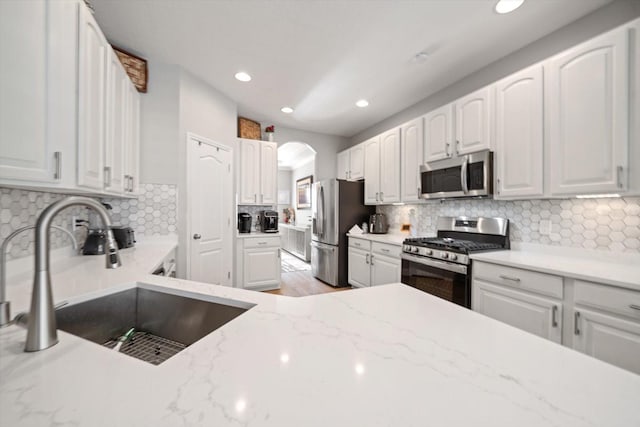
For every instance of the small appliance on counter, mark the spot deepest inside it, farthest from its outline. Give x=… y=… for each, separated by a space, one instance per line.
x=244 y=222
x=269 y=221
x=378 y=224
x=125 y=237
x=95 y=242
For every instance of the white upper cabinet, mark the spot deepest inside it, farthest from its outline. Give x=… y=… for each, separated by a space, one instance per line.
x=249 y=171
x=269 y=172
x=587 y=105
x=519 y=134
x=438 y=134
x=390 y=166
x=37 y=93
x=412 y=143
x=382 y=168
x=342 y=172
x=356 y=162
x=351 y=163
x=116 y=135
x=473 y=122
x=132 y=141
x=93 y=49
x=258 y=172
x=372 y=171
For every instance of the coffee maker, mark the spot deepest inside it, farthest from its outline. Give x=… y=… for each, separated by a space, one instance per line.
x=244 y=222
x=269 y=221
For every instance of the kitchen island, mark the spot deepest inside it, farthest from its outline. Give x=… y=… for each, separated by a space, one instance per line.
x=382 y=356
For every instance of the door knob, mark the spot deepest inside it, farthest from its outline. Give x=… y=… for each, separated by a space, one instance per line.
x=196 y=237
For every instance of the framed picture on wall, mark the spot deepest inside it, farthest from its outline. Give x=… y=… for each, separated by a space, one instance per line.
x=303 y=192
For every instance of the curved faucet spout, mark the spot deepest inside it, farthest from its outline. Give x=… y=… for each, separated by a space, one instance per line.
x=41 y=332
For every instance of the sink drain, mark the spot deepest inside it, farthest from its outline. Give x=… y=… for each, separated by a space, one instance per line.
x=148 y=347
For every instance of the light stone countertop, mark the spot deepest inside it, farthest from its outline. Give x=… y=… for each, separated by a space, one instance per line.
x=390 y=238
x=611 y=268
x=383 y=356
x=257 y=234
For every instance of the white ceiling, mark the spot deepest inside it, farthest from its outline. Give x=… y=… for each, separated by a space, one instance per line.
x=319 y=57
x=294 y=154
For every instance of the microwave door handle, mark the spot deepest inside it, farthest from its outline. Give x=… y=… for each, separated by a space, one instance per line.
x=463 y=175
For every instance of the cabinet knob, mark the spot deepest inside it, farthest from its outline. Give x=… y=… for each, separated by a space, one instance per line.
x=197 y=236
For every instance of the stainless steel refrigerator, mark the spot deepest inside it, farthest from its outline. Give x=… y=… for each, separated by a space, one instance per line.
x=336 y=207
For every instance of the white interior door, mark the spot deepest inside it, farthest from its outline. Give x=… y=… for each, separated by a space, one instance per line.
x=209 y=197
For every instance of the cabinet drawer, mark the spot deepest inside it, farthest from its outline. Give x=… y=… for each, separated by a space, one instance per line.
x=608 y=298
x=262 y=242
x=386 y=249
x=360 y=243
x=540 y=283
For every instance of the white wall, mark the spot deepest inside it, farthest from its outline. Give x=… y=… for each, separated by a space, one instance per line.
x=159 y=123
x=205 y=112
x=603 y=19
x=326 y=147
x=303 y=216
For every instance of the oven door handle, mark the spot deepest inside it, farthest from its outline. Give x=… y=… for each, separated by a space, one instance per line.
x=448 y=266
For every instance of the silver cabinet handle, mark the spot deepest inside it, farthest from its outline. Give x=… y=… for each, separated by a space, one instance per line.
x=463 y=175
x=346 y=174
x=126 y=183
x=576 y=323
x=107 y=176
x=554 y=316
x=255 y=198
x=371 y=258
x=457 y=146
x=513 y=279
x=131 y=184
x=418 y=192
x=619 y=170
x=384 y=250
x=57 y=157
x=262 y=243
x=377 y=199
x=381 y=196
x=367 y=259
x=634 y=306
x=446 y=149
x=278 y=252
x=197 y=236
x=498 y=185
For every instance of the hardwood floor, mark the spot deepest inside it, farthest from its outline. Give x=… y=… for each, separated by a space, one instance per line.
x=302 y=283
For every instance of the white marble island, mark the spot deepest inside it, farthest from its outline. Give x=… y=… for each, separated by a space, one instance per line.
x=387 y=356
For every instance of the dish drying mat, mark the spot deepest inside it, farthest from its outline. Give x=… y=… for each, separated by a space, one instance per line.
x=148 y=347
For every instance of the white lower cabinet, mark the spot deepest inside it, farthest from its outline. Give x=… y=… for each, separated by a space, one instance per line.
x=605 y=319
x=258 y=263
x=537 y=315
x=606 y=324
x=373 y=263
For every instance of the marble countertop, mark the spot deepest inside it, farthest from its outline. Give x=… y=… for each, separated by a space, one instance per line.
x=72 y=275
x=295 y=227
x=384 y=356
x=257 y=234
x=617 y=269
x=390 y=238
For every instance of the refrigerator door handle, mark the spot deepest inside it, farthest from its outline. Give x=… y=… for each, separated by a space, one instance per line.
x=321 y=212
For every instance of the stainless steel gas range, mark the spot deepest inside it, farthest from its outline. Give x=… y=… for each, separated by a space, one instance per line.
x=441 y=265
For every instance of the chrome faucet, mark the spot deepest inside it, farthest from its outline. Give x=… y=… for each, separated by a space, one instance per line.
x=5 y=306
x=41 y=330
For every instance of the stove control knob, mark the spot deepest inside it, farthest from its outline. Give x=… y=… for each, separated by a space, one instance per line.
x=429 y=252
x=416 y=250
x=445 y=255
x=454 y=257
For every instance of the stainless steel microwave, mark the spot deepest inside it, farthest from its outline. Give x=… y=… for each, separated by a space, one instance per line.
x=462 y=176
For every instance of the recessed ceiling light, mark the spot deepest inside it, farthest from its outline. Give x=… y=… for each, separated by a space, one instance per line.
x=362 y=103
x=287 y=110
x=506 y=6
x=243 y=77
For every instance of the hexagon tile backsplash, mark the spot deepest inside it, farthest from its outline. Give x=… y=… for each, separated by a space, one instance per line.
x=153 y=213
x=608 y=224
